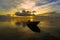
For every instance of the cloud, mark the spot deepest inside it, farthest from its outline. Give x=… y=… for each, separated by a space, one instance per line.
x=35 y=4
x=43 y=2
x=7 y=4
x=56 y=6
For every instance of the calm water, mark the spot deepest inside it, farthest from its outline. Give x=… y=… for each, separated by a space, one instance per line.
x=49 y=26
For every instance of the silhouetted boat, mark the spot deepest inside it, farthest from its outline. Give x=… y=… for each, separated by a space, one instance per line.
x=33 y=25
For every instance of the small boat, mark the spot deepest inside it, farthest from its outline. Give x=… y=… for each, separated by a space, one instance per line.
x=33 y=25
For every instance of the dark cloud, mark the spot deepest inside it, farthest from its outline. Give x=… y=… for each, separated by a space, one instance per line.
x=7 y=4
x=42 y=2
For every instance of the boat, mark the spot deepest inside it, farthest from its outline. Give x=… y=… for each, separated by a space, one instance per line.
x=33 y=25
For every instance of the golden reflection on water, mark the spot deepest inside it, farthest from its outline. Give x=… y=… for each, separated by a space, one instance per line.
x=45 y=25
x=22 y=20
x=42 y=25
x=12 y=24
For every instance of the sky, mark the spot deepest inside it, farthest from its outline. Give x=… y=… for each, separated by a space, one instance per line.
x=43 y=6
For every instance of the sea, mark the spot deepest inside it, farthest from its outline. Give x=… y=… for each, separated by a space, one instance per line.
x=49 y=28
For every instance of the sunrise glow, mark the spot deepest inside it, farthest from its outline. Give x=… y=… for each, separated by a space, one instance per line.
x=31 y=5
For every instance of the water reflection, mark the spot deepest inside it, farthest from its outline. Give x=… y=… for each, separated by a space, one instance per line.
x=18 y=23
x=32 y=25
x=21 y=23
x=16 y=29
